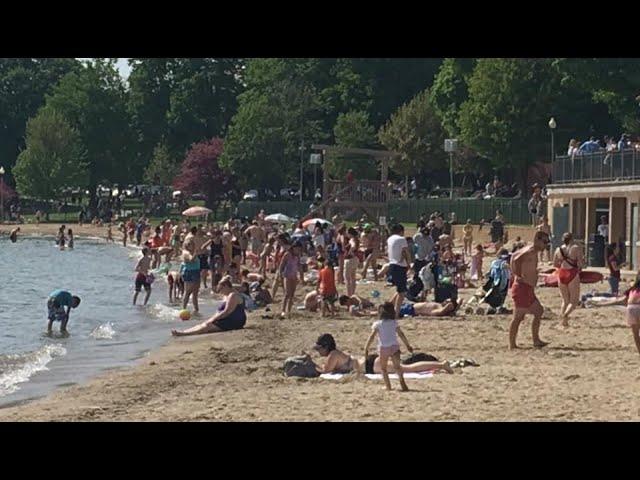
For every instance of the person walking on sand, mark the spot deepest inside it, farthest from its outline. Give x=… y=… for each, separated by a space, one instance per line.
x=524 y=267
x=568 y=262
x=399 y=262
x=288 y=268
x=56 y=302
x=388 y=331
x=467 y=237
x=142 y=276
x=546 y=228
x=371 y=243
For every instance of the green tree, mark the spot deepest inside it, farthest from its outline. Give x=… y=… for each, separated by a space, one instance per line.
x=353 y=130
x=280 y=108
x=450 y=91
x=414 y=131
x=94 y=100
x=510 y=102
x=163 y=168
x=54 y=157
x=23 y=85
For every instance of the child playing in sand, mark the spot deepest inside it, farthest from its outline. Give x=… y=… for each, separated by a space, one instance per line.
x=388 y=331
x=143 y=277
x=327 y=287
x=476 y=263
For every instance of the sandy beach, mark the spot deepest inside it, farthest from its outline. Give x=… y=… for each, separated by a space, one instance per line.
x=590 y=371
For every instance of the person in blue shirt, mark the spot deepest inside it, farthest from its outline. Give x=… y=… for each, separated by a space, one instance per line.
x=589 y=146
x=58 y=300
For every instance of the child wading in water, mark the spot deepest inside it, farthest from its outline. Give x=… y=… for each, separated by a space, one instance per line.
x=388 y=332
x=70 y=235
x=109 y=234
x=143 y=278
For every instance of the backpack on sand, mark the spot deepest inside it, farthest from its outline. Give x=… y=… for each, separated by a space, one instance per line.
x=300 y=366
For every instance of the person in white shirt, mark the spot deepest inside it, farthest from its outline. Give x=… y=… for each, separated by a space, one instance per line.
x=399 y=262
x=603 y=228
x=388 y=331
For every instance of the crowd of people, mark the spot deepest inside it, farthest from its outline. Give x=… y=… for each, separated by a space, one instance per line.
x=606 y=144
x=248 y=263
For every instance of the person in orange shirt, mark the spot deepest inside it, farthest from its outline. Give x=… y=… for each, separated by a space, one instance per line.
x=327 y=287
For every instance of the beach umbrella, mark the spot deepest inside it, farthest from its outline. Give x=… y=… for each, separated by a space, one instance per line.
x=278 y=218
x=196 y=212
x=312 y=222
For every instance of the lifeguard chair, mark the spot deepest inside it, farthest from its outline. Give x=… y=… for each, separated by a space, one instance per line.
x=368 y=196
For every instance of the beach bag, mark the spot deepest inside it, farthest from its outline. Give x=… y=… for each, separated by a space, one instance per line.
x=300 y=366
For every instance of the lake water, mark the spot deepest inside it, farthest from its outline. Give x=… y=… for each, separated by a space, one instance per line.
x=107 y=331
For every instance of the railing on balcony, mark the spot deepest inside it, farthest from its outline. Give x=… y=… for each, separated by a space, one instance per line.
x=597 y=167
x=359 y=191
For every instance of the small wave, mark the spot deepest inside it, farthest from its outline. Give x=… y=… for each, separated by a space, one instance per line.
x=103 y=332
x=16 y=369
x=164 y=312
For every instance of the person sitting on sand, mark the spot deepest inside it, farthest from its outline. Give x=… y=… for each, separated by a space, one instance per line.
x=230 y=316
x=341 y=362
x=357 y=306
x=429 y=309
x=56 y=302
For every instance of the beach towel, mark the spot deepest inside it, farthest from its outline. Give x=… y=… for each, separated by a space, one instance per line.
x=378 y=376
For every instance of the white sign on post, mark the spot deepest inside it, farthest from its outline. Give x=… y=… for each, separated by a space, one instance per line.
x=382 y=221
x=316 y=159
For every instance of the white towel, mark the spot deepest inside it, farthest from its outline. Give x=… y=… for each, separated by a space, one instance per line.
x=378 y=376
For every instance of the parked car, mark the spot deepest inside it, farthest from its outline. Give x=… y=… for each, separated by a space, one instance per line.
x=250 y=196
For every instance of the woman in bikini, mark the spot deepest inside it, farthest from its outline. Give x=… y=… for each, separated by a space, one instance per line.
x=341 y=362
x=568 y=260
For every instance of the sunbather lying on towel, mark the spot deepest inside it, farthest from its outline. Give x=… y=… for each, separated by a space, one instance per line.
x=341 y=362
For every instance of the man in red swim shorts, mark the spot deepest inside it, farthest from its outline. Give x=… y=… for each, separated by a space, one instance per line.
x=524 y=265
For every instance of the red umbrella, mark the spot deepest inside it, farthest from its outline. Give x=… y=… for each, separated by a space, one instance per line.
x=196 y=212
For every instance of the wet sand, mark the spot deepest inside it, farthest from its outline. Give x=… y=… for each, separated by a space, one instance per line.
x=590 y=371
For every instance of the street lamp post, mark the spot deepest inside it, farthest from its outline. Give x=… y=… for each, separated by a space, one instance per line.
x=1 y=194
x=301 y=166
x=450 y=146
x=552 y=127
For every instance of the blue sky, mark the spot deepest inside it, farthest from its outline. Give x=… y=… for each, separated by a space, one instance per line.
x=122 y=66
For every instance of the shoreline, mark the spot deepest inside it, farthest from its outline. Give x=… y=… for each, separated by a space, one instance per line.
x=584 y=374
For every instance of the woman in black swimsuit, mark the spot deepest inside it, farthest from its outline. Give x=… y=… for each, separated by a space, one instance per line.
x=216 y=259
x=231 y=314
x=340 y=362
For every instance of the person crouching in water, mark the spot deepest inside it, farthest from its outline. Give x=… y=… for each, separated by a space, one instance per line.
x=388 y=331
x=143 y=277
x=59 y=299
